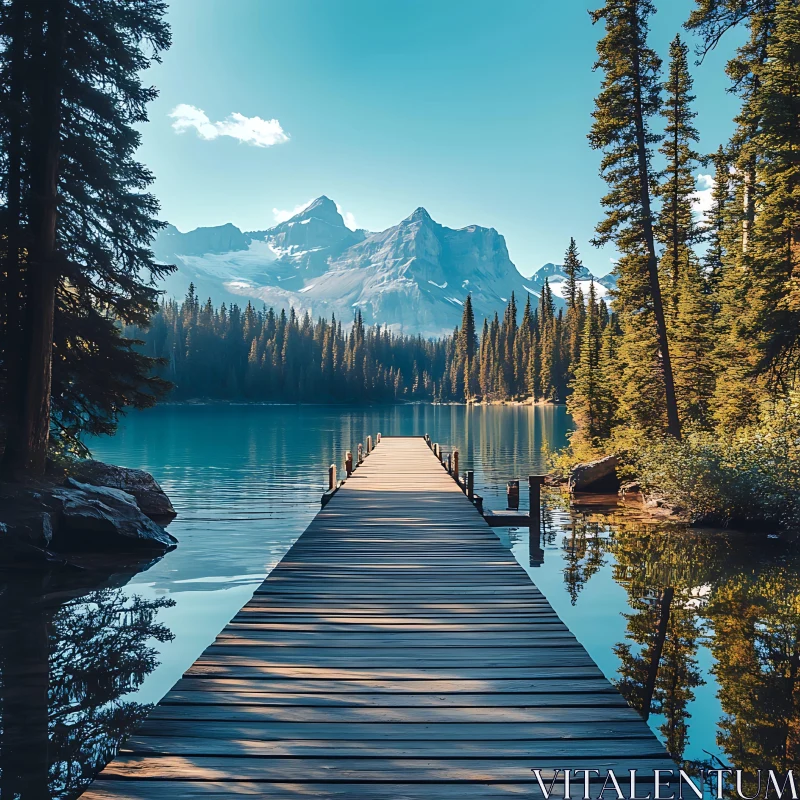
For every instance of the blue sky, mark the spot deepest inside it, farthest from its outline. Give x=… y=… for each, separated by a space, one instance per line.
x=476 y=110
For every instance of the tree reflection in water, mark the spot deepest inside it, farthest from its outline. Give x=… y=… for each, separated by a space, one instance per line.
x=737 y=595
x=69 y=654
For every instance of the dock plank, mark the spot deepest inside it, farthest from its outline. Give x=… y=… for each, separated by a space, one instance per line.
x=396 y=652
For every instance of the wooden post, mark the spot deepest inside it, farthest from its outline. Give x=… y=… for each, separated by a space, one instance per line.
x=348 y=463
x=331 y=477
x=535 y=502
x=450 y=463
x=512 y=495
x=455 y=464
x=360 y=453
x=470 y=483
x=369 y=444
x=378 y=441
x=428 y=441
x=441 y=455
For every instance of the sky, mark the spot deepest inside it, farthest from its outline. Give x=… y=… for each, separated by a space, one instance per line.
x=477 y=110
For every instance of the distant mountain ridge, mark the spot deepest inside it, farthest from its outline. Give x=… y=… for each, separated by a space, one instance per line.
x=412 y=278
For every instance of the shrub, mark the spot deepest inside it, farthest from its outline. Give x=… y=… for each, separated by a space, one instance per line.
x=750 y=475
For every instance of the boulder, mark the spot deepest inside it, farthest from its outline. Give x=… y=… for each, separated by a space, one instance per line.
x=100 y=518
x=595 y=476
x=150 y=497
x=17 y=545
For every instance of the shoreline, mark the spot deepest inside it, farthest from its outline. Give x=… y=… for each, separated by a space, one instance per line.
x=369 y=403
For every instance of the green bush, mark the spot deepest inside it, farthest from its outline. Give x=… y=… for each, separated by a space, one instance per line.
x=751 y=475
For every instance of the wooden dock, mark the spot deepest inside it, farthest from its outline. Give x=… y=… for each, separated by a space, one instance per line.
x=397 y=651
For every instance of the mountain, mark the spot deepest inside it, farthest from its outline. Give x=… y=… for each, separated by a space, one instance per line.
x=557 y=279
x=412 y=278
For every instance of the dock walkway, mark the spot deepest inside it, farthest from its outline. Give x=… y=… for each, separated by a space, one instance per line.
x=397 y=651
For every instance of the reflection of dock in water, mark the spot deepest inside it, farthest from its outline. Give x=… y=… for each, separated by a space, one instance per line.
x=397 y=651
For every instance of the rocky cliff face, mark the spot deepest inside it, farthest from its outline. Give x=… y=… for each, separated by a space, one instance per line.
x=412 y=278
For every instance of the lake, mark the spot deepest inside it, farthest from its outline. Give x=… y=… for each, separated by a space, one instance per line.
x=717 y=613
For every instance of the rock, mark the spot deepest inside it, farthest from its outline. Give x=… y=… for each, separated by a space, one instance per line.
x=102 y=519
x=150 y=497
x=631 y=487
x=17 y=546
x=595 y=476
x=33 y=526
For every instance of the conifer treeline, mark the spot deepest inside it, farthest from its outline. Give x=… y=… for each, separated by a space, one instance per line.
x=264 y=355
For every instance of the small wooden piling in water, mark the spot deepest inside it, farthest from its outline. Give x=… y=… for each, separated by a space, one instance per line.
x=512 y=495
x=360 y=453
x=348 y=463
x=535 y=501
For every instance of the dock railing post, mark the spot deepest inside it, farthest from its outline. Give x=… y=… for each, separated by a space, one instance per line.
x=470 y=483
x=455 y=465
x=360 y=453
x=449 y=463
x=331 y=477
x=348 y=463
x=512 y=495
x=441 y=455
x=535 y=502
x=369 y=444
x=378 y=440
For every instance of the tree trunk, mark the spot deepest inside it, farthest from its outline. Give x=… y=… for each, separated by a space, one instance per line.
x=665 y=607
x=43 y=270
x=14 y=290
x=673 y=421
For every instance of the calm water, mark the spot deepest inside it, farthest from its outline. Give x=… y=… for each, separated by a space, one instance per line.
x=83 y=654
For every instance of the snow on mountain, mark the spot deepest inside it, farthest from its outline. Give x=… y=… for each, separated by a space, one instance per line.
x=412 y=278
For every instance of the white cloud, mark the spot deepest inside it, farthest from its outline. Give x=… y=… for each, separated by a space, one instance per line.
x=349 y=219
x=282 y=214
x=250 y=130
x=702 y=198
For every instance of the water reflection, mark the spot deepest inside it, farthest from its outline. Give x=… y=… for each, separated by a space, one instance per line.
x=728 y=600
x=73 y=644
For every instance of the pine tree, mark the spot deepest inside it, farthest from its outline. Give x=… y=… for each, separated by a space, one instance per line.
x=573 y=268
x=774 y=254
x=467 y=346
x=575 y=308
x=676 y=227
x=84 y=221
x=629 y=98
x=715 y=224
x=589 y=402
x=692 y=340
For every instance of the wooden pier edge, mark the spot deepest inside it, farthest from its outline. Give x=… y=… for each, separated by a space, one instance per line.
x=396 y=651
